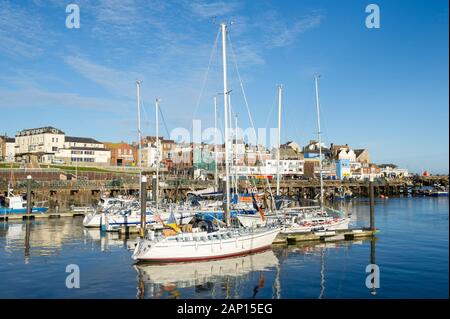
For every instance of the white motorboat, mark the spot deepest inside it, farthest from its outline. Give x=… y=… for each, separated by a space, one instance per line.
x=317 y=223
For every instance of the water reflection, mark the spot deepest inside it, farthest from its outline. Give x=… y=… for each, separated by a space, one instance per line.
x=49 y=237
x=209 y=279
x=243 y=277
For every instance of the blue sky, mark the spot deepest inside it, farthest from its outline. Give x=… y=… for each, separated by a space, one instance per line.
x=383 y=89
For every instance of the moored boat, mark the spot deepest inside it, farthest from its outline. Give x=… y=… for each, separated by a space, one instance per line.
x=16 y=204
x=197 y=246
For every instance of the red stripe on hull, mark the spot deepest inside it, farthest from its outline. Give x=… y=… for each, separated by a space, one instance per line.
x=247 y=252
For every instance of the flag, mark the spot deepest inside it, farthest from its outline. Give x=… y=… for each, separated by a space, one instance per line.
x=172 y=223
x=157 y=218
x=255 y=205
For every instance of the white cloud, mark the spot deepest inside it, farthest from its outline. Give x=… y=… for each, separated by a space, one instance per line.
x=22 y=32
x=209 y=9
x=119 y=82
x=38 y=98
x=280 y=33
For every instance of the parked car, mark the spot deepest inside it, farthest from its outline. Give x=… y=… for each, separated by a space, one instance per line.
x=58 y=161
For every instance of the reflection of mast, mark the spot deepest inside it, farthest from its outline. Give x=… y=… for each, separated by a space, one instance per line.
x=322 y=274
x=372 y=261
x=276 y=288
x=141 y=288
x=276 y=284
x=27 y=241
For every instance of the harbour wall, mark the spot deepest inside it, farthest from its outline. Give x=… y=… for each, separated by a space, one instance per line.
x=60 y=190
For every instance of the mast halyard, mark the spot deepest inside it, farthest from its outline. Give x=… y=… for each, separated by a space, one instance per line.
x=319 y=133
x=280 y=90
x=225 y=100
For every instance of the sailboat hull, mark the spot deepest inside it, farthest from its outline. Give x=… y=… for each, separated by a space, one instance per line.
x=209 y=249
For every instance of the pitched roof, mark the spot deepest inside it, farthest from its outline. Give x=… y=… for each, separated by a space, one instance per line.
x=387 y=165
x=75 y=139
x=87 y=148
x=40 y=130
x=7 y=139
x=359 y=151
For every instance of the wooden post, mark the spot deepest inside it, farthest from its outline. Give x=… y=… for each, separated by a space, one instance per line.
x=29 y=209
x=372 y=206
x=143 y=204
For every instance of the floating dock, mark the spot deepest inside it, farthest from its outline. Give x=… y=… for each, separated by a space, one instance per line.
x=325 y=236
x=32 y=216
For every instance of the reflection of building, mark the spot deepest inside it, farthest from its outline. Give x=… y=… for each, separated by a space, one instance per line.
x=46 y=238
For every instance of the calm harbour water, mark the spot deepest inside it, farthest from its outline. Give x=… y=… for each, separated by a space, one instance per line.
x=411 y=251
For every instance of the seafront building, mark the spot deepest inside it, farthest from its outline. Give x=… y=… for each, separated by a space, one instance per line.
x=50 y=145
x=7 y=149
x=122 y=154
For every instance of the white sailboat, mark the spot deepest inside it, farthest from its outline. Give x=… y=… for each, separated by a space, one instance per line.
x=323 y=218
x=200 y=245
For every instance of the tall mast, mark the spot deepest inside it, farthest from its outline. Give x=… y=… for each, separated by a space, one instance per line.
x=138 y=89
x=225 y=104
x=280 y=89
x=235 y=154
x=319 y=133
x=216 y=175
x=157 y=152
x=230 y=120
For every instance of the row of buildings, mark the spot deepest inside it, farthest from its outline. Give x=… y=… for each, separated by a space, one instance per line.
x=49 y=145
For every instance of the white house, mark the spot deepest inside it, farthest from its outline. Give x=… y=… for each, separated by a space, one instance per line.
x=47 y=144
x=10 y=149
x=347 y=155
x=286 y=168
x=83 y=150
x=41 y=142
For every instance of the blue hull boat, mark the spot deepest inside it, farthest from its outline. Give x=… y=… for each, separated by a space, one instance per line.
x=11 y=211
